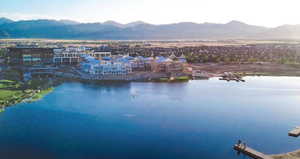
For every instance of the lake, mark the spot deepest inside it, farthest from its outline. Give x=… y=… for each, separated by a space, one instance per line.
x=193 y=120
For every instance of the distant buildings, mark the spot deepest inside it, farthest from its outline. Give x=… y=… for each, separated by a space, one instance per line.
x=123 y=65
x=30 y=56
x=96 y=63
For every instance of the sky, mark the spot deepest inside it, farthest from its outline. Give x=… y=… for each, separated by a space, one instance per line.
x=269 y=13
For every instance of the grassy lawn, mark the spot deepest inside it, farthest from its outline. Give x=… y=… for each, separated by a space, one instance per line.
x=9 y=84
x=2 y=85
x=11 y=92
x=42 y=93
x=7 y=94
x=182 y=78
x=9 y=97
x=6 y=81
x=4 y=94
x=164 y=79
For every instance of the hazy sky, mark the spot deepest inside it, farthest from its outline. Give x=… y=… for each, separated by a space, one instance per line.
x=258 y=12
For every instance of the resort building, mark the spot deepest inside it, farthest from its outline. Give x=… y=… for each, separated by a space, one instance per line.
x=171 y=64
x=174 y=67
x=30 y=56
x=99 y=55
x=159 y=64
x=114 y=68
x=67 y=56
x=105 y=67
x=141 y=63
x=182 y=59
x=73 y=55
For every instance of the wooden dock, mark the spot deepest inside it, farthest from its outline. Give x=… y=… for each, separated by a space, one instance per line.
x=251 y=152
x=295 y=132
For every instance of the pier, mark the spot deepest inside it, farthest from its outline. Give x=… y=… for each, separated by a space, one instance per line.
x=250 y=152
x=295 y=132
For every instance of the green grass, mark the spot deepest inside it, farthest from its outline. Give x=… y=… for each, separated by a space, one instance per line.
x=2 y=85
x=10 y=97
x=6 y=81
x=4 y=94
x=10 y=93
x=164 y=79
x=182 y=78
x=5 y=89
x=9 y=84
x=42 y=93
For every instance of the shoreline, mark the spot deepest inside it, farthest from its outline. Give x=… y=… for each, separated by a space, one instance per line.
x=32 y=96
x=13 y=92
x=266 y=69
x=289 y=155
x=36 y=95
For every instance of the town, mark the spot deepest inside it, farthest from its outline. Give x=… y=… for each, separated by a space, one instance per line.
x=86 y=63
x=31 y=70
x=145 y=79
x=145 y=61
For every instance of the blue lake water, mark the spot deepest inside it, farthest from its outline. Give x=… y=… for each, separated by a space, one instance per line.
x=193 y=120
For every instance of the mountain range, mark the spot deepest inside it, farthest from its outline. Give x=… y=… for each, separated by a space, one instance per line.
x=139 y=30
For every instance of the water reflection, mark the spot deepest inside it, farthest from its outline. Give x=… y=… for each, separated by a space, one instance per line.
x=198 y=119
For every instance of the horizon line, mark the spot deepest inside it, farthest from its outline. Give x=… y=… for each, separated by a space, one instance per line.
x=102 y=22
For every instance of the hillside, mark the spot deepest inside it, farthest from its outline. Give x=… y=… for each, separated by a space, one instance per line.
x=66 y=29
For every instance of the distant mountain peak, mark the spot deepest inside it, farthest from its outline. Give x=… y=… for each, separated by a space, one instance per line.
x=5 y=20
x=138 y=21
x=63 y=29
x=113 y=23
x=187 y=23
x=68 y=22
x=116 y=24
x=235 y=22
x=135 y=23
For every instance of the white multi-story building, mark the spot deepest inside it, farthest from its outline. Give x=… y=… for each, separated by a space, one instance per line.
x=105 y=68
x=67 y=56
x=72 y=55
x=115 y=68
x=99 y=55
